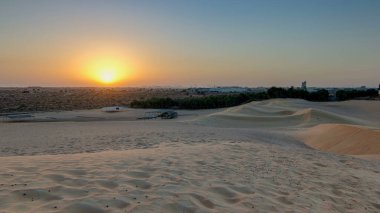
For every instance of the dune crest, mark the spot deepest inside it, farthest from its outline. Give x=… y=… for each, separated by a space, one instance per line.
x=277 y=113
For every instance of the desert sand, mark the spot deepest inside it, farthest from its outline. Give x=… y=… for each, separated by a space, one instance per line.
x=278 y=155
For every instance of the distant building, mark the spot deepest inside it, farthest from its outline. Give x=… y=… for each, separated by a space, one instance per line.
x=303 y=85
x=378 y=90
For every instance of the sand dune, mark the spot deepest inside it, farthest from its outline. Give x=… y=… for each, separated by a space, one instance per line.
x=343 y=139
x=278 y=113
x=250 y=158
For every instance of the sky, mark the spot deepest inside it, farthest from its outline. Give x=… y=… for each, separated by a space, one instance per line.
x=328 y=43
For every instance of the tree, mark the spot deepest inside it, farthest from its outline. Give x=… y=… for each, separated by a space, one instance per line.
x=277 y=92
x=320 y=95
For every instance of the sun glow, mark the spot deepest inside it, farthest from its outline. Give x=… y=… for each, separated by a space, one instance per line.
x=107 y=76
x=107 y=71
x=105 y=65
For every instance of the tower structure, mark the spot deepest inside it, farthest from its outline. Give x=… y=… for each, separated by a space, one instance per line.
x=304 y=87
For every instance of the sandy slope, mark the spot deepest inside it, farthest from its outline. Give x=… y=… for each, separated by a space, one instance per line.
x=343 y=139
x=249 y=158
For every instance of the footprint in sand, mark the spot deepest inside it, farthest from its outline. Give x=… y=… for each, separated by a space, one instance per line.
x=36 y=194
x=179 y=207
x=142 y=184
x=76 y=172
x=228 y=195
x=285 y=200
x=138 y=174
x=320 y=165
x=107 y=184
x=82 y=207
x=376 y=205
x=55 y=178
x=204 y=201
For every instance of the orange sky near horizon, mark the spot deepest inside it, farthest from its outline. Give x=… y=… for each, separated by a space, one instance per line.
x=189 y=43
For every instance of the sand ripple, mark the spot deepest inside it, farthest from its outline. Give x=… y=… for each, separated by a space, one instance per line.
x=262 y=177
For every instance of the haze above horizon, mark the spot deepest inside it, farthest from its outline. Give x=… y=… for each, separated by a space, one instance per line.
x=332 y=43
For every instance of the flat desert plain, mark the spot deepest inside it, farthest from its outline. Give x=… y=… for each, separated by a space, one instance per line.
x=279 y=155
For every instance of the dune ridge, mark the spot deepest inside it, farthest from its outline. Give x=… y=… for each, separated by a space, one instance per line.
x=275 y=114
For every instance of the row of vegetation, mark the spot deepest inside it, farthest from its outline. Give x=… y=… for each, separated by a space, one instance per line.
x=220 y=101
x=342 y=95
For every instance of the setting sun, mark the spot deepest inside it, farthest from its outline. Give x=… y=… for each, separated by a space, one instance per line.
x=107 y=76
x=106 y=71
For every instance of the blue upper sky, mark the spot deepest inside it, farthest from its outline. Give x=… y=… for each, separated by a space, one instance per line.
x=193 y=42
